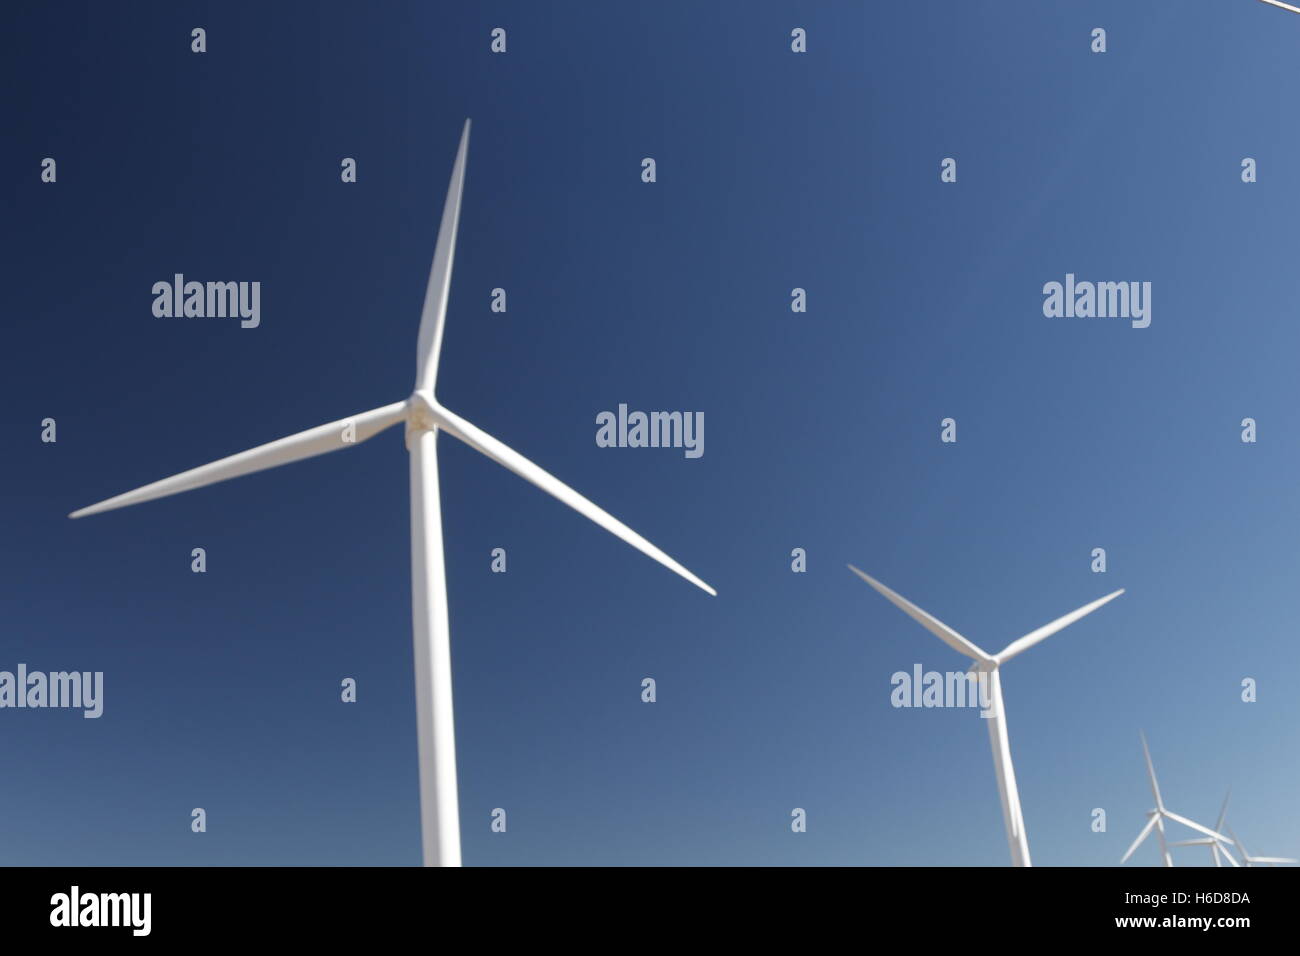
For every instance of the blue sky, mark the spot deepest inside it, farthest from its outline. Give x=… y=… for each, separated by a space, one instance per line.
x=775 y=171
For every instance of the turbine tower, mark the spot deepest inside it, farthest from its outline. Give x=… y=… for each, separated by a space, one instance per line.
x=1156 y=818
x=424 y=418
x=990 y=664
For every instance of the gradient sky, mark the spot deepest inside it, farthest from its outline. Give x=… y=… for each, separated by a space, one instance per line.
x=775 y=170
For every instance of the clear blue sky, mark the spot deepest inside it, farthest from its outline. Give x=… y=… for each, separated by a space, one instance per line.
x=775 y=170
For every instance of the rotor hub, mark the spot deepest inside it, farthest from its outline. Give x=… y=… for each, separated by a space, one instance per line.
x=419 y=415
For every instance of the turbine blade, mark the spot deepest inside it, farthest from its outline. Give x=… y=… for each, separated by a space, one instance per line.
x=925 y=619
x=1272 y=859
x=1223 y=811
x=434 y=314
x=1204 y=841
x=1146 y=831
x=502 y=454
x=1284 y=6
x=1236 y=841
x=315 y=441
x=1047 y=630
x=1151 y=771
x=1195 y=826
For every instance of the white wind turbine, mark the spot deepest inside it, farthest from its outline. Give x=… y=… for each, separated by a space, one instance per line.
x=997 y=723
x=1217 y=850
x=1156 y=818
x=424 y=417
x=1258 y=860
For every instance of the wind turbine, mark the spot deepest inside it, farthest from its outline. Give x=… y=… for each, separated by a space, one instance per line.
x=424 y=417
x=997 y=723
x=1217 y=850
x=1258 y=860
x=1156 y=818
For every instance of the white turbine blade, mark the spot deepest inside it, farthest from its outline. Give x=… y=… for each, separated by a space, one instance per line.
x=434 y=314
x=315 y=441
x=1047 y=630
x=1195 y=826
x=925 y=619
x=1223 y=811
x=502 y=454
x=1146 y=832
x=1272 y=859
x=1151 y=771
x=1236 y=841
x=1204 y=841
x=1284 y=6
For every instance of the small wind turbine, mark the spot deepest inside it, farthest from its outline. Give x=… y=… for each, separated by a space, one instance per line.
x=989 y=664
x=424 y=417
x=1258 y=860
x=1217 y=850
x=1156 y=818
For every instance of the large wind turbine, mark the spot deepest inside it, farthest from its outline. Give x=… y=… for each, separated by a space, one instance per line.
x=1217 y=850
x=1156 y=818
x=424 y=417
x=997 y=722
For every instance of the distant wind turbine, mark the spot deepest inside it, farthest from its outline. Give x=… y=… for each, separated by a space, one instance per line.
x=1217 y=850
x=424 y=417
x=997 y=723
x=1258 y=860
x=1156 y=818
